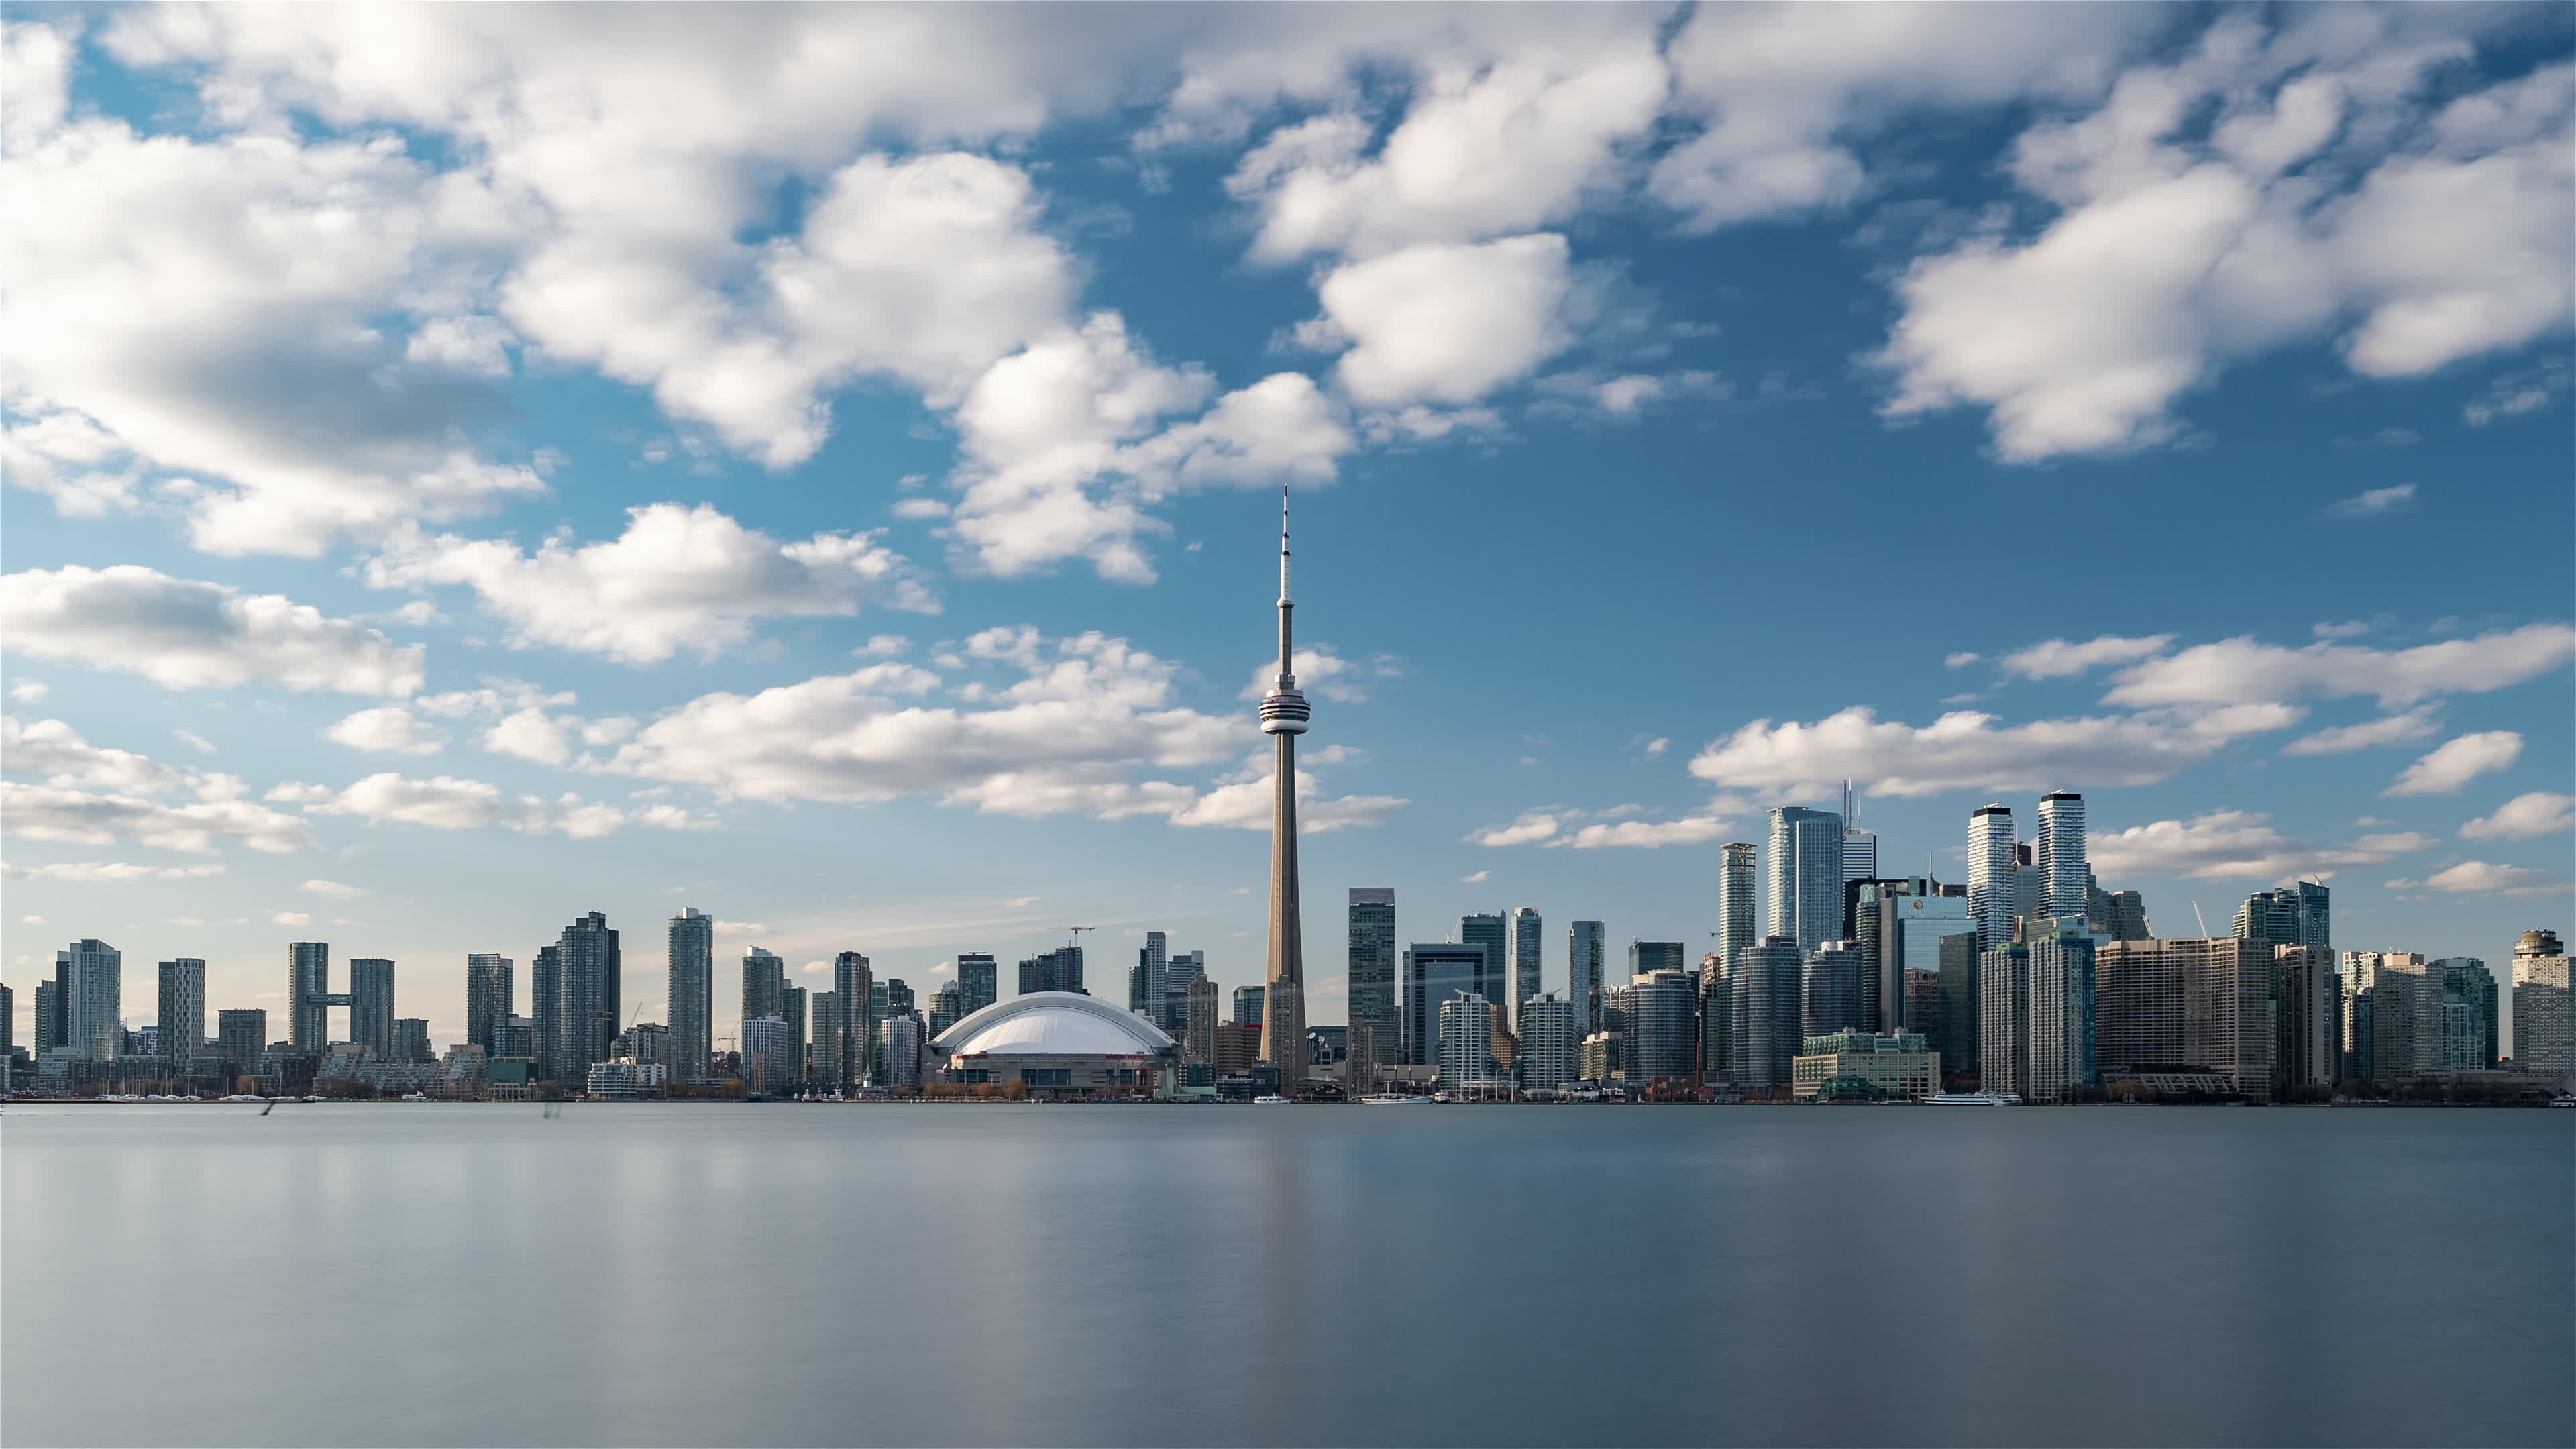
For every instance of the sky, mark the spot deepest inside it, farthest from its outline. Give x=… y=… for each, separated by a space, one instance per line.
x=470 y=466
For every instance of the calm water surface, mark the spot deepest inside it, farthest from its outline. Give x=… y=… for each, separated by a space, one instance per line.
x=743 y=1275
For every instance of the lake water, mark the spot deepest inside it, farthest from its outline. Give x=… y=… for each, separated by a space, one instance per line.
x=815 y=1275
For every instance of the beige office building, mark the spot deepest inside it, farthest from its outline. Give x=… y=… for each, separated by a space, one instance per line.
x=1898 y=1064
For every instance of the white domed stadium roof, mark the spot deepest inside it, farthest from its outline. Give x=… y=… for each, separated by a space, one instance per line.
x=1053 y=1023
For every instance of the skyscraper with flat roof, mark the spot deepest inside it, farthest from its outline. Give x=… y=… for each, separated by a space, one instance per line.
x=1735 y=910
x=1056 y=970
x=1992 y=859
x=2307 y=1018
x=371 y=1004
x=89 y=977
x=1550 y=1053
x=308 y=982
x=1832 y=989
x=764 y=984
x=2544 y=1032
x=1494 y=934
x=490 y=996
x=1435 y=971
x=182 y=1015
x=1766 y=991
x=853 y=1012
x=1248 y=1004
x=1524 y=957
x=1145 y=978
x=978 y=980
x=1647 y=957
x=692 y=959
x=1802 y=876
x=2206 y=1004
x=1661 y=1043
x=593 y=987
x=1372 y=968
x=1466 y=1051
x=241 y=1033
x=1587 y=946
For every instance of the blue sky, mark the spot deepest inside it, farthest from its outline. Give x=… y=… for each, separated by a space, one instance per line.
x=472 y=466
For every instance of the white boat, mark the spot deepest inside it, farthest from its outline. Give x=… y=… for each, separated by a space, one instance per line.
x=1270 y=1097
x=1393 y=1099
x=1972 y=1099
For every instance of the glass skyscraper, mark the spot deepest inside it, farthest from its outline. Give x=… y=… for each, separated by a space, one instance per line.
x=1802 y=876
x=1587 y=948
x=1372 y=969
x=693 y=994
x=1992 y=858
x=1435 y=971
x=1524 y=958
x=491 y=995
x=371 y=1004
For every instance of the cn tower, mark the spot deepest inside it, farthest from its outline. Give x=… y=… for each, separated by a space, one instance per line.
x=1283 y=716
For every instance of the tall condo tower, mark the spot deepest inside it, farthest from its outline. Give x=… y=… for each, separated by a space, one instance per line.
x=1802 y=876
x=1991 y=858
x=693 y=994
x=1284 y=713
x=1734 y=903
x=2065 y=882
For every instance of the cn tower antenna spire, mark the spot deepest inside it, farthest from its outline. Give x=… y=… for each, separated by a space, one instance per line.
x=1284 y=716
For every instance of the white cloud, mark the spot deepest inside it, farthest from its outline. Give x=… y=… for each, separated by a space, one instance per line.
x=447 y=802
x=186 y=634
x=1593 y=830
x=390 y=729
x=2373 y=502
x=1446 y=323
x=2242 y=671
x=1658 y=744
x=2177 y=248
x=1247 y=804
x=2055 y=658
x=110 y=872
x=2395 y=729
x=2518 y=394
x=1960 y=660
x=52 y=812
x=2526 y=816
x=55 y=750
x=2458 y=761
x=678 y=577
x=1478 y=878
x=1968 y=750
x=2483 y=878
x=334 y=890
x=1321 y=673
x=29 y=691
x=2234 y=844
x=291 y=918
x=1531 y=827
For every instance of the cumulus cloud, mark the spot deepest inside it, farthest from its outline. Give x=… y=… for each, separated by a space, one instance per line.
x=2234 y=844
x=2055 y=658
x=2373 y=502
x=2485 y=878
x=2204 y=213
x=1248 y=804
x=447 y=802
x=1321 y=673
x=2526 y=816
x=334 y=890
x=2458 y=761
x=188 y=634
x=2244 y=671
x=122 y=807
x=677 y=577
x=1968 y=750
x=390 y=729
x=2395 y=729
x=1447 y=322
x=1556 y=827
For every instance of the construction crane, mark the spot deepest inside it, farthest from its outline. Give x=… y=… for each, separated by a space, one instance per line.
x=1076 y=933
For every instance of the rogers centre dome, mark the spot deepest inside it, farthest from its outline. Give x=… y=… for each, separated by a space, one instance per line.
x=1057 y=1041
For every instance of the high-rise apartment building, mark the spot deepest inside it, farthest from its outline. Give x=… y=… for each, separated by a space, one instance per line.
x=308 y=988
x=2037 y=1010
x=764 y=984
x=2307 y=1019
x=1832 y=989
x=1587 y=948
x=1766 y=991
x=2066 y=878
x=1494 y=934
x=1992 y=858
x=828 y=1051
x=593 y=979
x=1524 y=957
x=1435 y=971
x=371 y=1004
x=241 y=1033
x=490 y=996
x=1372 y=968
x=794 y=1003
x=1178 y=971
x=182 y=1016
x=1662 y=1028
x=1466 y=1052
x=853 y=1013
x=411 y=1040
x=1802 y=877
x=89 y=985
x=2469 y=1018
x=1145 y=978
x=2544 y=1034
x=1716 y=1020
x=767 y=1055
x=692 y=957
x=49 y=1019
x=2203 y=1005
x=979 y=980
x=1198 y=1036
x=2119 y=915
x=1735 y=908
x=2394 y=1015
x=1248 y=1001
x=1550 y=1053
